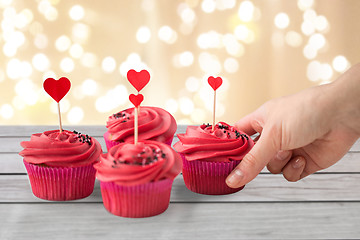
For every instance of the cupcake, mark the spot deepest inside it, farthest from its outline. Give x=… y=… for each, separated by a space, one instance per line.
x=136 y=180
x=154 y=124
x=209 y=156
x=60 y=165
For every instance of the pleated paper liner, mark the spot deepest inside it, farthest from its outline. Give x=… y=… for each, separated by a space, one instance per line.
x=208 y=177
x=139 y=201
x=61 y=184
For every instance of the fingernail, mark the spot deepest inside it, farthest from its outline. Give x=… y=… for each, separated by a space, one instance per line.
x=234 y=178
x=298 y=163
x=282 y=155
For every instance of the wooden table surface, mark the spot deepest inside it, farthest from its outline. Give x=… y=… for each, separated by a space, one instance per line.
x=325 y=205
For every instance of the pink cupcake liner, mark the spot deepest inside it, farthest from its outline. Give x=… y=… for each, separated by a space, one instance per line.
x=61 y=184
x=208 y=177
x=139 y=201
x=109 y=143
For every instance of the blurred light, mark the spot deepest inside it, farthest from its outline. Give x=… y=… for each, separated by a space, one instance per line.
x=49 y=74
x=310 y=15
x=40 y=62
x=24 y=18
x=317 y=41
x=44 y=6
x=51 y=14
x=225 y=4
x=209 y=63
x=246 y=11
x=281 y=20
x=192 y=84
x=28 y=91
x=186 y=28
x=12 y=68
x=62 y=43
x=2 y=75
x=231 y=65
x=113 y=99
x=76 y=50
x=80 y=32
x=16 y=38
x=143 y=34
x=167 y=34
x=220 y=110
x=188 y=15
x=278 y=39
x=171 y=105
x=77 y=12
x=211 y=39
x=313 y=72
x=9 y=49
x=186 y=59
x=293 y=39
x=340 y=64
x=6 y=111
x=36 y=28
x=148 y=5
x=198 y=116
x=18 y=102
x=321 y=23
x=241 y=32
x=232 y=46
x=305 y=4
x=89 y=87
x=326 y=72
x=307 y=28
x=108 y=64
x=310 y=52
x=186 y=105
x=67 y=65
x=64 y=106
x=208 y=6
x=89 y=60
x=75 y=115
x=41 y=41
x=133 y=61
x=26 y=69
x=5 y=3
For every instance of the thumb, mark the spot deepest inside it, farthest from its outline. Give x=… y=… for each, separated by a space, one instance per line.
x=253 y=162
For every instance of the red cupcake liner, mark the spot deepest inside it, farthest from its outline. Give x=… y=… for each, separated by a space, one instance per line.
x=61 y=184
x=208 y=177
x=109 y=143
x=139 y=201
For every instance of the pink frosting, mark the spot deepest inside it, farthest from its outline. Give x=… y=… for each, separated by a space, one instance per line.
x=66 y=149
x=129 y=164
x=224 y=144
x=154 y=124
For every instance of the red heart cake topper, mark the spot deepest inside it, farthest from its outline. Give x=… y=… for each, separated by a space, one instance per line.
x=215 y=83
x=138 y=79
x=136 y=99
x=57 y=89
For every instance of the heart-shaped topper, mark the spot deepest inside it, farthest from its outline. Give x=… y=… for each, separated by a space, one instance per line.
x=136 y=99
x=138 y=79
x=215 y=83
x=57 y=89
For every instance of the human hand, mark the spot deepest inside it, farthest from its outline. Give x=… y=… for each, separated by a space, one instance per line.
x=302 y=133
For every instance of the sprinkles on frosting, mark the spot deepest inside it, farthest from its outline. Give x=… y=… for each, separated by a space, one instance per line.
x=226 y=131
x=84 y=138
x=141 y=160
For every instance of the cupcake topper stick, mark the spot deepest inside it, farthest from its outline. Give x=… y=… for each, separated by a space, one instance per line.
x=136 y=100
x=57 y=89
x=215 y=83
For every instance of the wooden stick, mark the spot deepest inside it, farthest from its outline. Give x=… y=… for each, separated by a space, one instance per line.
x=60 y=124
x=213 y=125
x=136 y=130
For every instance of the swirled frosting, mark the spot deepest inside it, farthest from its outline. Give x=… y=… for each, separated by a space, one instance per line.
x=154 y=124
x=66 y=149
x=129 y=164
x=224 y=144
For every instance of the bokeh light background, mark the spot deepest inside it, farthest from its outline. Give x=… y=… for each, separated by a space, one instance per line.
x=262 y=49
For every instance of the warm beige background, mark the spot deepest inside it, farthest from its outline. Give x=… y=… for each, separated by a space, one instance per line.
x=258 y=63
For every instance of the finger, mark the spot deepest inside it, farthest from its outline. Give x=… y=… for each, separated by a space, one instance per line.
x=253 y=162
x=294 y=169
x=249 y=124
x=279 y=161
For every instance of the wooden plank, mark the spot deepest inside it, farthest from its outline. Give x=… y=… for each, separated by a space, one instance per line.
x=183 y=221
x=12 y=163
x=264 y=188
x=92 y=130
